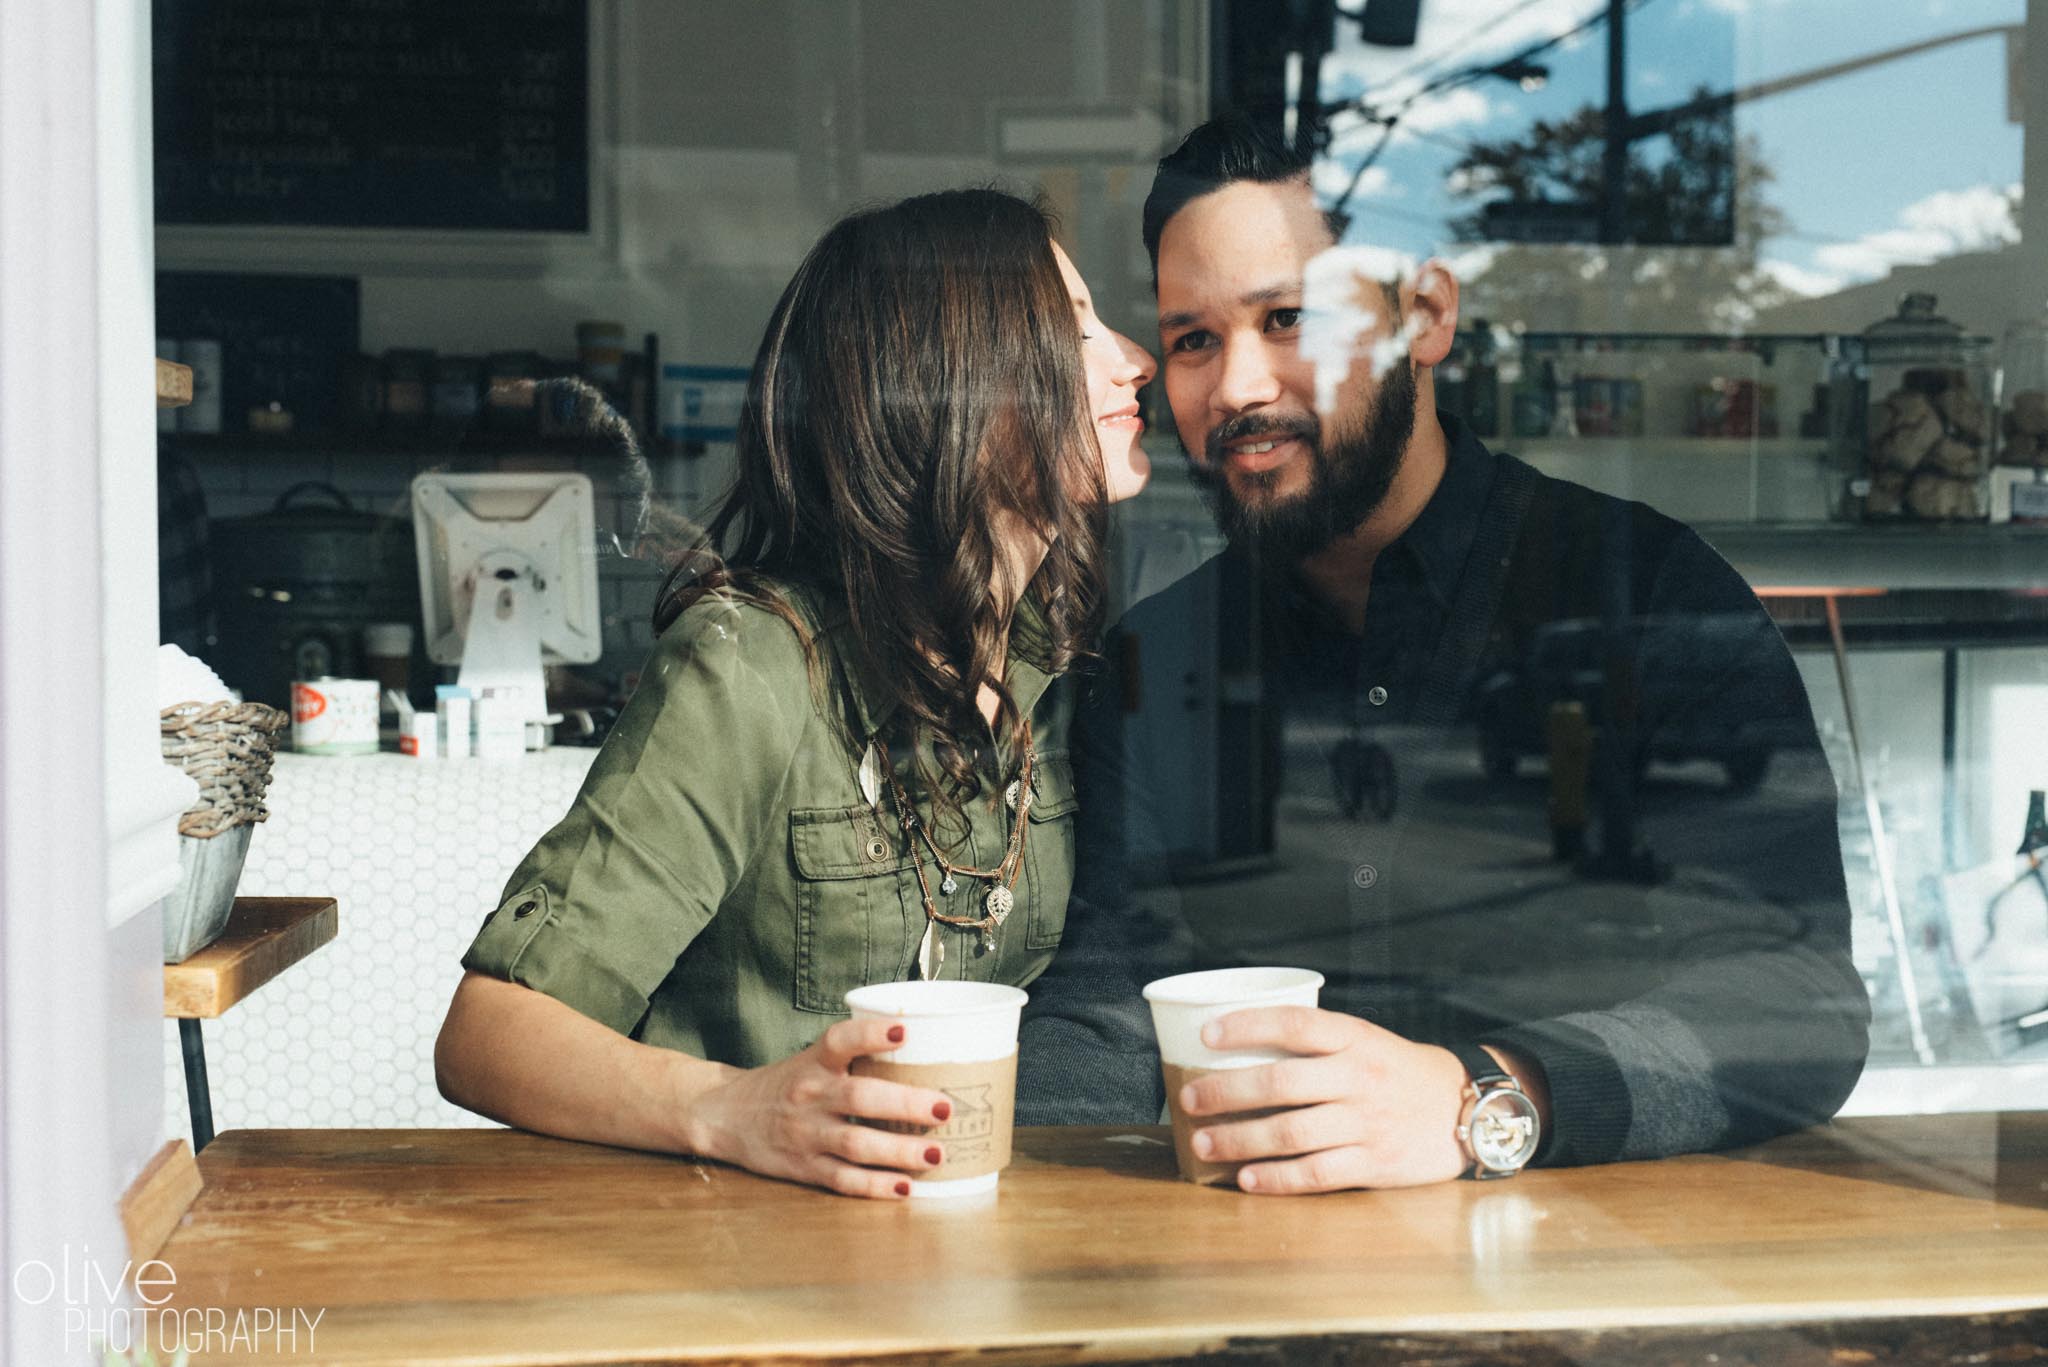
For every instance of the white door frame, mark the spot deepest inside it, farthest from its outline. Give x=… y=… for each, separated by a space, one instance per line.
x=54 y=1134
x=81 y=1034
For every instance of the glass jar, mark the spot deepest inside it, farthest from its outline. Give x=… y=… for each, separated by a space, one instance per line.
x=2023 y=394
x=1927 y=448
x=454 y=395
x=509 y=397
x=407 y=371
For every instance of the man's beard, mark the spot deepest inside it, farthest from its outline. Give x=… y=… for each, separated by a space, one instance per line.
x=1349 y=474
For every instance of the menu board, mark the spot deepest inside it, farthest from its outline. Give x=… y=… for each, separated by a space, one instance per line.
x=373 y=113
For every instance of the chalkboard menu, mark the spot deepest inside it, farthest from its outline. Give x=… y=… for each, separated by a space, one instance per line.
x=373 y=113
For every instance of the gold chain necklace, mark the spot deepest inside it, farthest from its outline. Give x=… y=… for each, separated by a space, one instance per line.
x=1001 y=897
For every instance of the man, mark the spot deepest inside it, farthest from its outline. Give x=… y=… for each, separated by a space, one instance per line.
x=1395 y=599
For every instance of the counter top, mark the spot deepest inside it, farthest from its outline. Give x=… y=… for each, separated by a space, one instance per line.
x=1876 y=1238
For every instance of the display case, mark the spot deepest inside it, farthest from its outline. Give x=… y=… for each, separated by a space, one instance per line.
x=1752 y=429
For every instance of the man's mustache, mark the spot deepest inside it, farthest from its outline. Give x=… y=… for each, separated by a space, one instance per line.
x=1278 y=426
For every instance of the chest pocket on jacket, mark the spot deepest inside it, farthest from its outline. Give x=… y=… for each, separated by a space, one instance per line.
x=1049 y=855
x=849 y=903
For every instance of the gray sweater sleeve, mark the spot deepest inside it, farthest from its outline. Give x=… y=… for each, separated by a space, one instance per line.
x=1760 y=1023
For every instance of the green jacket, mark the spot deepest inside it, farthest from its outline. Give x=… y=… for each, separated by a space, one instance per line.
x=720 y=882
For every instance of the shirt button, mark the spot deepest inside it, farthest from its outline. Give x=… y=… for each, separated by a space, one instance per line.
x=1377 y=697
x=876 y=849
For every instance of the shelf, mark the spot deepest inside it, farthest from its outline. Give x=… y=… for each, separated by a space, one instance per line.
x=264 y=937
x=1851 y=555
x=1697 y=480
x=1675 y=341
x=1534 y=449
x=232 y=446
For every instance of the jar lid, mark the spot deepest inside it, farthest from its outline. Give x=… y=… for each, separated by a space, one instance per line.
x=1917 y=333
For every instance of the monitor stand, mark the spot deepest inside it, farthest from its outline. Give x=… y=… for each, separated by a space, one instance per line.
x=501 y=645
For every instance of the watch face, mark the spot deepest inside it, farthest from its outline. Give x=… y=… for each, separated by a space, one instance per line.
x=1503 y=1135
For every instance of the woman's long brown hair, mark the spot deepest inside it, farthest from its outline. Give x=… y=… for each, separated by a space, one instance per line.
x=919 y=396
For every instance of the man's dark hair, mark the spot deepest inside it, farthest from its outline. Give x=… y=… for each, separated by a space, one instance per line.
x=1229 y=148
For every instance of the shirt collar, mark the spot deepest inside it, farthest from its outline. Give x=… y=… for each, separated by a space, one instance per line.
x=1435 y=546
x=1440 y=540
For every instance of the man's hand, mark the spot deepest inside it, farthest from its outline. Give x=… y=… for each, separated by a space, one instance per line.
x=1363 y=1107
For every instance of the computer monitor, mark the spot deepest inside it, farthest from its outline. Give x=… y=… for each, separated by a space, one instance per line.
x=508 y=578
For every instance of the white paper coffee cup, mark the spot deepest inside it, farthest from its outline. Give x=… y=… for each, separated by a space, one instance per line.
x=1181 y=1006
x=960 y=1038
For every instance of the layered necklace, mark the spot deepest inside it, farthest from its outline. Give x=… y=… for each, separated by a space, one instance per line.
x=1001 y=897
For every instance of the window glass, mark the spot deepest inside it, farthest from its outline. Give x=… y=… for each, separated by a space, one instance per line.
x=1666 y=749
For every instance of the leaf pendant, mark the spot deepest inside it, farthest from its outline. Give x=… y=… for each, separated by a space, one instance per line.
x=931 y=952
x=871 y=776
x=1000 y=901
x=1012 y=793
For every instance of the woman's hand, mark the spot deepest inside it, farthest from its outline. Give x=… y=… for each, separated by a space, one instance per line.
x=797 y=1119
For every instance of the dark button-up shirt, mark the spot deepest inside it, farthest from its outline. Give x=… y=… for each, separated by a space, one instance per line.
x=1563 y=793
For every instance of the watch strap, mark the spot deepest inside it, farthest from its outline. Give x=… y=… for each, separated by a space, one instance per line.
x=1480 y=1066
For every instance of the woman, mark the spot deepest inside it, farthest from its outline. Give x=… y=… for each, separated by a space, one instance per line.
x=846 y=759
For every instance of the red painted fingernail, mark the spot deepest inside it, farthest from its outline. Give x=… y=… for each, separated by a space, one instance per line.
x=895 y=1034
x=903 y=1188
x=942 y=1111
x=932 y=1155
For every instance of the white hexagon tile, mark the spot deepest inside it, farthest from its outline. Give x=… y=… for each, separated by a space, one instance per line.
x=416 y=852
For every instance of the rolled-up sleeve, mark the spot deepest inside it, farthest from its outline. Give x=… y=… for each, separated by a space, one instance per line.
x=683 y=796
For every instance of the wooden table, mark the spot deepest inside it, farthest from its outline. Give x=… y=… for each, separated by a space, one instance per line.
x=1873 y=1241
x=264 y=937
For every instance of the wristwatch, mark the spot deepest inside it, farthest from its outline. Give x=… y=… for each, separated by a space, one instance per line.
x=1497 y=1126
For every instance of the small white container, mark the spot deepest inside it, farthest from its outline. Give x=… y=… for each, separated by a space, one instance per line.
x=421 y=736
x=452 y=701
x=334 y=716
x=500 y=724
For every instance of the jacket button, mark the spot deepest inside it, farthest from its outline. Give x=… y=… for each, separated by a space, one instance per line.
x=876 y=849
x=524 y=909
